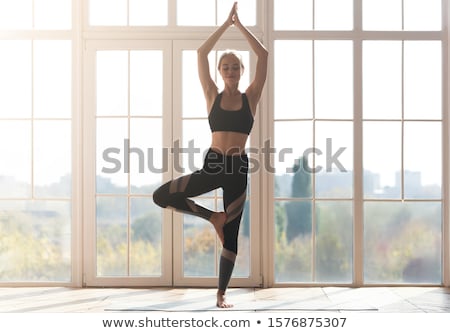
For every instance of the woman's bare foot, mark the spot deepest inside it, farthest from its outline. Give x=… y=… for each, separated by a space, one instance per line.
x=218 y=221
x=221 y=302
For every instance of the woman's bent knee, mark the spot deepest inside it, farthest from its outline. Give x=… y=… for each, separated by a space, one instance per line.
x=160 y=198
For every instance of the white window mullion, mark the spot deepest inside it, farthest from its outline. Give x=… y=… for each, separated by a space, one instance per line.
x=403 y=15
x=402 y=145
x=129 y=161
x=358 y=190
x=32 y=117
x=172 y=13
x=446 y=145
x=313 y=178
x=267 y=202
x=77 y=135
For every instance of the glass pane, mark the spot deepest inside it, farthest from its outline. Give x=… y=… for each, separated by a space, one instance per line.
x=334 y=242
x=423 y=171
x=293 y=98
x=112 y=149
x=203 y=15
x=334 y=159
x=194 y=104
x=200 y=244
x=402 y=242
x=15 y=170
x=382 y=14
x=293 y=250
x=52 y=79
x=297 y=184
x=382 y=159
x=293 y=14
x=382 y=79
x=334 y=79
x=423 y=14
x=145 y=155
x=145 y=246
x=35 y=238
x=423 y=80
x=112 y=83
x=196 y=141
x=246 y=10
x=146 y=83
x=291 y=158
x=52 y=158
x=108 y=12
x=333 y=14
x=144 y=12
x=52 y=14
x=15 y=80
x=17 y=14
x=112 y=236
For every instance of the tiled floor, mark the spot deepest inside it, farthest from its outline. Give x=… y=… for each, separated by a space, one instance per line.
x=336 y=299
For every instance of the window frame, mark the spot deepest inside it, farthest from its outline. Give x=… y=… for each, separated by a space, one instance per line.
x=81 y=33
x=358 y=35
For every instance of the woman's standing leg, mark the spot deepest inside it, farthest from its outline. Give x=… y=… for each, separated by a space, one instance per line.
x=234 y=195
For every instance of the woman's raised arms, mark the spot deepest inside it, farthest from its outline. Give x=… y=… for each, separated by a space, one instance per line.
x=208 y=84
x=255 y=88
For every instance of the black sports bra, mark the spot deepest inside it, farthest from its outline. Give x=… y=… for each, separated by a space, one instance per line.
x=240 y=121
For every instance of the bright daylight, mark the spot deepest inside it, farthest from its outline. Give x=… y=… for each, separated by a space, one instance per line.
x=221 y=148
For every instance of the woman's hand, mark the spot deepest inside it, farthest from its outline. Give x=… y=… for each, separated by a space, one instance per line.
x=232 y=17
x=236 y=20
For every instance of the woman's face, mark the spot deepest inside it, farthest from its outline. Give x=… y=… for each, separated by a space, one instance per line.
x=230 y=69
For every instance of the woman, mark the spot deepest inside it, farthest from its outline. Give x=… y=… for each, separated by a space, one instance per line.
x=231 y=115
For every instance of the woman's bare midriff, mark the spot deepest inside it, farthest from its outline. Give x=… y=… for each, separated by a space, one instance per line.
x=229 y=143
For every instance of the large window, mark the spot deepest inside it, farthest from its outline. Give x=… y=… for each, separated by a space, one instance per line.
x=313 y=174
x=383 y=90
x=96 y=94
x=402 y=147
x=129 y=103
x=36 y=142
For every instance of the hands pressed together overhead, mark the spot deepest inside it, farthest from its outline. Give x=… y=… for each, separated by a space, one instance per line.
x=233 y=18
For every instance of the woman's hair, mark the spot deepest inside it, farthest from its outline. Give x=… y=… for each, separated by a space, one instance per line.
x=232 y=53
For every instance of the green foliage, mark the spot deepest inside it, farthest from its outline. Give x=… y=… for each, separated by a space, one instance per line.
x=395 y=246
x=32 y=251
x=334 y=242
x=402 y=241
x=199 y=254
x=147 y=228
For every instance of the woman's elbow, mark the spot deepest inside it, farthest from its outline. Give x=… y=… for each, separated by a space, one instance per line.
x=263 y=53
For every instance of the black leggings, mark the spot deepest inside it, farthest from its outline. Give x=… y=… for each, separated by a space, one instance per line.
x=227 y=172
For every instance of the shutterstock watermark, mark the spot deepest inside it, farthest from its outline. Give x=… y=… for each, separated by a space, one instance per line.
x=117 y=159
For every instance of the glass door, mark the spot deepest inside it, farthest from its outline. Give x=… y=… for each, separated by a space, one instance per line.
x=196 y=247
x=140 y=132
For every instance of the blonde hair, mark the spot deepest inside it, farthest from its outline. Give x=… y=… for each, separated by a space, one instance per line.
x=231 y=53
